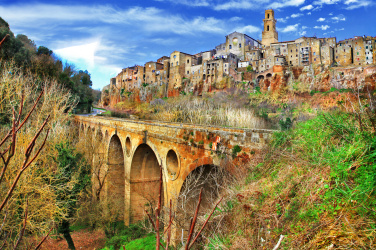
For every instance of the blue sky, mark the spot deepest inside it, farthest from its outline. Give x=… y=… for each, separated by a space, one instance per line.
x=106 y=36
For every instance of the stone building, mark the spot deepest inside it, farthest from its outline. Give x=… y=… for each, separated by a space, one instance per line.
x=237 y=44
x=180 y=67
x=269 y=34
x=152 y=72
x=344 y=53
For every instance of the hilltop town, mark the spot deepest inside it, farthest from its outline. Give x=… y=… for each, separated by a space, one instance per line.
x=243 y=59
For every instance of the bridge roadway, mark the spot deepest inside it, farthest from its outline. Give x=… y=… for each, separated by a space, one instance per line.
x=133 y=151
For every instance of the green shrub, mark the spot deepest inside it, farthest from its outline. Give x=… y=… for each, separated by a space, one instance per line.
x=235 y=150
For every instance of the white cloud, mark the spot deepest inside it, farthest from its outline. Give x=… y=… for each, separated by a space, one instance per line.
x=283 y=20
x=296 y=15
x=304 y=27
x=309 y=13
x=322 y=2
x=307 y=7
x=192 y=3
x=354 y=4
x=289 y=28
x=303 y=33
x=330 y=14
x=321 y=19
x=322 y=27
x=240 y=4
x=255 y=4
x=285 y=3
x=249 y=29
x=338 y=18
x=235 y=18
x=84 y=52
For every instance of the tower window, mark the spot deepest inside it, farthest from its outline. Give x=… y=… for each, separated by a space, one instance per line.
x=267 y=28
x=268 y=16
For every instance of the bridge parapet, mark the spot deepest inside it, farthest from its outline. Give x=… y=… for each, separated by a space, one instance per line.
x=183 y=133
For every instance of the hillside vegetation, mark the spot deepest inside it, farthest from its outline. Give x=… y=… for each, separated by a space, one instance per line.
x=316 y=186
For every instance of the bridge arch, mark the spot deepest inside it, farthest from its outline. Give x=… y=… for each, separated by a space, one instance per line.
x=115 y=188
x=207 y=177
x=144 y=182
x=260 y=77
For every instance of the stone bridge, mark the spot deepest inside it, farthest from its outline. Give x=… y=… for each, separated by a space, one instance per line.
x=133 y=151
x=264 y=75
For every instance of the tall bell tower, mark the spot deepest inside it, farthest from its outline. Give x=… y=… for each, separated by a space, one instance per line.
x=269 y=35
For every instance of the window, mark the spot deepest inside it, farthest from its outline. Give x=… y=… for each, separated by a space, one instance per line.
x=174 y=56
x=177 y=63
x=267 y=28
x=187 y=72
x=229 y=46
x=149 y=65
x=315 y=60
x=240 y=45
x=172 y=64
x=188 y=61
x=291 y=51
x=268 y=16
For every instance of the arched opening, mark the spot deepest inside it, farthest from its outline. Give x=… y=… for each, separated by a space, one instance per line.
x=260 y=77
x=267 y=28
x=82 y=129
x=172 y=163
x=98 y=166
x=268 y=16
x=268 y=75
x=212 y=180
x=116 y=177
x=144 y=182
x=128 y=146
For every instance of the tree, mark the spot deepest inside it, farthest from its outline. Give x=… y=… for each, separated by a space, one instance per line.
x=30 y=195
x=73 y=177
x=44 y=51
x=249 y=68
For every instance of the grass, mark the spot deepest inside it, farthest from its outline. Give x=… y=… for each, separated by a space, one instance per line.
x=316 y=186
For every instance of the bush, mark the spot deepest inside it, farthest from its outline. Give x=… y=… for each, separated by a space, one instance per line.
x=123 y=234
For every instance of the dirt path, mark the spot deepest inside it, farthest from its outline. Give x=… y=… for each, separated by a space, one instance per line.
x=83 y=239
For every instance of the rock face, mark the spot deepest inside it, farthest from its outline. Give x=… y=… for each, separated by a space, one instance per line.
x=323 y=79
x=301 y=79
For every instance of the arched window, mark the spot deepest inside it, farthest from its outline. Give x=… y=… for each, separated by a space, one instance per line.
x=267 y=28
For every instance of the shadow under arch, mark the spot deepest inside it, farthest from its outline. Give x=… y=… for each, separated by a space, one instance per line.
x=144 y=182
x=115 y=187
x=212 y=180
